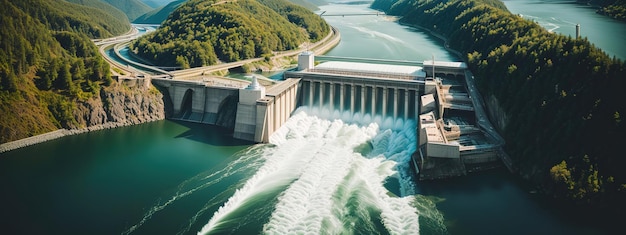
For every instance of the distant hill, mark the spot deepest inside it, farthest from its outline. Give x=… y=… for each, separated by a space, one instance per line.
x=47 y=62
x=102 y=6
x=157 y=3
x=132 y=8
x=202 y=33
x=160 y=14
x=93 y=18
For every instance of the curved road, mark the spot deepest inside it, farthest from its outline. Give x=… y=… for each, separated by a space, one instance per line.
x=331 y=40
x=321 y=46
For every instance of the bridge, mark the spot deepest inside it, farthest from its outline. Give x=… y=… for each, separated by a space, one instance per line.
x=377 y=13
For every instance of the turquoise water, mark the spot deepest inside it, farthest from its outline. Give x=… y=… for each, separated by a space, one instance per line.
x=561 y=16
x=323 y=175
x=380 y=37
x=102 y=182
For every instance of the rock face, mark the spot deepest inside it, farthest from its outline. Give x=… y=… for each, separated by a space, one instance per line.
x=119 y=105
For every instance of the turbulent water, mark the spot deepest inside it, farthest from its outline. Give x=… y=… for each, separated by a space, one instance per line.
x=317 y=176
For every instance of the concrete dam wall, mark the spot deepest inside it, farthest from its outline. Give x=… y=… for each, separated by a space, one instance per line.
x=252 y=113
x=197 y=102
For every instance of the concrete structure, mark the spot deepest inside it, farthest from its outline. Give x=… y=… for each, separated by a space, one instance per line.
x=259 y=114
x=306 y=60
x=448 y=143
x=275 y=109
x=428 y=104
x=433 y=137
x=196 y=101
x=443 y=68
x=246 y=119
x=375 y=89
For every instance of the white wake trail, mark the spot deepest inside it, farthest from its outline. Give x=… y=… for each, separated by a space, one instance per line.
x=199 y=182
x=334 y=174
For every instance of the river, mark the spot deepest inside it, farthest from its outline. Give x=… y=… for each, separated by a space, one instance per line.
x=323 y=176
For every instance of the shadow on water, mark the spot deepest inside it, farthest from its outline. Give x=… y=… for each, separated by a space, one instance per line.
x=209 y=134
x=496 y=202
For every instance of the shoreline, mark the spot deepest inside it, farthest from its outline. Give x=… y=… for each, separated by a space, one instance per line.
x=324 y=45
x=60 y=133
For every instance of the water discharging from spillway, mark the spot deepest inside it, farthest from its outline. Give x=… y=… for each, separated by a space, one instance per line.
x=321 y=176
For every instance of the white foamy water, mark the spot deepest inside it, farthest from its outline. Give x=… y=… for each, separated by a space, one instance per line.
x=332 y=175
x=200 y=182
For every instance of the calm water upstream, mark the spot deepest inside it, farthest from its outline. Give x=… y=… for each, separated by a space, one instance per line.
x=561 y=16
x=325 y=175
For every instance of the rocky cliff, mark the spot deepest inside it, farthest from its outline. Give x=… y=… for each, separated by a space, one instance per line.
x=117 y=105
x=120 y=105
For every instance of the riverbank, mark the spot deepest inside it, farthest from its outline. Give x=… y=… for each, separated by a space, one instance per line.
x=60 y=133
x=115 y=106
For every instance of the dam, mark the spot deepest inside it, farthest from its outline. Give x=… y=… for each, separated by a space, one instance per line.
x=454 y=136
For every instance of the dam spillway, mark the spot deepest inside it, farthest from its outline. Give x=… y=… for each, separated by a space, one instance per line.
x=384 y=93
x=336 y=87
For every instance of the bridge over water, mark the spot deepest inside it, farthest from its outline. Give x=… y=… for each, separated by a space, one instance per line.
x=376 y=13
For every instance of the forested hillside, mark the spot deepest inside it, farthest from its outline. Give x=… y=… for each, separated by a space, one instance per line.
x=158 y=15
x=202 y=33
x=132 y=8
x=613 y=8
x=48 y=64
x=559 y=100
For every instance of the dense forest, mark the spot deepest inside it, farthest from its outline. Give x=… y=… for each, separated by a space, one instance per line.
x=160 y=14
x=47 y=62
x=613 y=8
x=202 y=33
x=562 y=98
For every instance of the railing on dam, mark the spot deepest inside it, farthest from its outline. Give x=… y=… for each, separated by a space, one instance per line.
x=320 y=58
x=400 y=76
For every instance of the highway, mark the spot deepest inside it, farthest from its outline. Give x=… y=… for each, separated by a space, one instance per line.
x=118 y=42
x=319 y=47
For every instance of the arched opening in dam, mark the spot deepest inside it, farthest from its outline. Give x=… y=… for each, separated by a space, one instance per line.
x=186 y=105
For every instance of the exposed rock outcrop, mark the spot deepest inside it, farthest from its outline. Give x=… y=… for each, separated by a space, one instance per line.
x=121 y=106
x=117 y=105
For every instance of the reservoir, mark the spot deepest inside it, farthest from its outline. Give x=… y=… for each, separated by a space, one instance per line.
x=324 y=176
x=561 y=16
